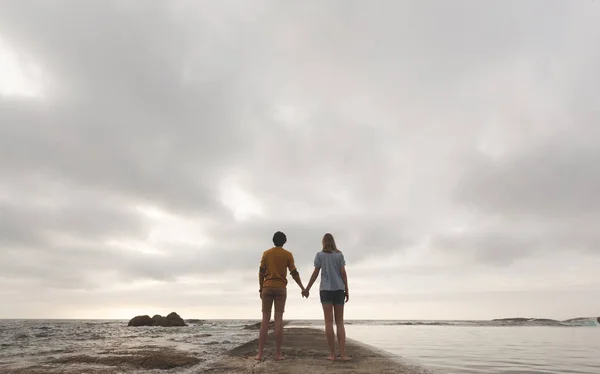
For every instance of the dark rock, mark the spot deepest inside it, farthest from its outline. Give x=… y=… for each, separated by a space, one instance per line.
x=140 y=321
x=598 y=319
x=173 y=319
x=158 y=320
x=167 y=362
x=163 y=359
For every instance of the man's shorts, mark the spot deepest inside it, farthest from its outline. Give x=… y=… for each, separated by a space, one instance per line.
x=273 y=295
x=333 y=297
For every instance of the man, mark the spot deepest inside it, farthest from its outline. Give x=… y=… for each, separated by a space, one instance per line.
x=272 y=280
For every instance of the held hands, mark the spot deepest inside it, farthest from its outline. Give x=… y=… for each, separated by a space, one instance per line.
x=305 y=293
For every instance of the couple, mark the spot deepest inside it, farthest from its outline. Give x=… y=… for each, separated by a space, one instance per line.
x=272 y=279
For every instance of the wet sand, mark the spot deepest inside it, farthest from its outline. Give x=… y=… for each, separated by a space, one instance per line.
x=305 y=351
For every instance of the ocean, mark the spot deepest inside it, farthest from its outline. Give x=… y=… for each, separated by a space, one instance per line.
x=514 y=346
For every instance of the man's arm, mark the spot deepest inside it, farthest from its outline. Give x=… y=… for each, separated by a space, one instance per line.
x=261 y=279
x=294 y=272
x=261 y=275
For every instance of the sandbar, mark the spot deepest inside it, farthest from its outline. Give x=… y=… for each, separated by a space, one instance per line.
x=305 y=351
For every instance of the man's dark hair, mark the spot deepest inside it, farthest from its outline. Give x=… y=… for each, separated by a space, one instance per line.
x=279 y=239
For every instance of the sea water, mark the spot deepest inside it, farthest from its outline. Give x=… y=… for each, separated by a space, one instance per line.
x=28 y=343
x=490 y=349
x=452 y=347
x=512 y=346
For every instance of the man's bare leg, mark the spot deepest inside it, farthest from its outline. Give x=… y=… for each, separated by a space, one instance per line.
x=341 y=330
x=328 y=314
x=262 y=335
x=278 y=335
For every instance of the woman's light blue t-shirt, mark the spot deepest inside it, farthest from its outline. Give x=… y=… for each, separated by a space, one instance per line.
x=331 y=270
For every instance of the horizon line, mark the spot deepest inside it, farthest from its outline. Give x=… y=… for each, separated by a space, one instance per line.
x=291 y=319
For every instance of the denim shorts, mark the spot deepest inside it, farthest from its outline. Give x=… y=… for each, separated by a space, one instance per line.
x=333 y=297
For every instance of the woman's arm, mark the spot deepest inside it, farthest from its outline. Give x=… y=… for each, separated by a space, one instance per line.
x=314 y=275
x=345 y=279
x=313 y=278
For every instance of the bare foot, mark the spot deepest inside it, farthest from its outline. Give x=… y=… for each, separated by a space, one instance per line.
x=346 y=358
x=331 y=358
x=259 y=357
x=279 y=358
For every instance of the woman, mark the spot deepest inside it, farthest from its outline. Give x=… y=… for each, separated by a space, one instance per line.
x=333 y=291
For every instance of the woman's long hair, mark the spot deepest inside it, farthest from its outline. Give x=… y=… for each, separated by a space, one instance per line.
x=329 y=244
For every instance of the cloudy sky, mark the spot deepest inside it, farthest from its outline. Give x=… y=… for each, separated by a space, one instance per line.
x=149 y=150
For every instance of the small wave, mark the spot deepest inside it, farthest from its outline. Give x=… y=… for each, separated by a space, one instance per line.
x=522 y=321
x=86 y=337
x=62 y=350
x=422 y=324
x=195 y=321
x=583 y=321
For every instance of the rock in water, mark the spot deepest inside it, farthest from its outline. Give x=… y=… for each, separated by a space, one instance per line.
x=158 y=320
x=598 y=319
x=173 y=319
x=156 y=359
x=141 y=321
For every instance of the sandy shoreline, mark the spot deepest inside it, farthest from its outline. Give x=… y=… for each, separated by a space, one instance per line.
x=305 y=351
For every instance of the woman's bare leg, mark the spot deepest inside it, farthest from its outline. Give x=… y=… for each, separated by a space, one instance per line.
x=328 y=313
x=341 y=330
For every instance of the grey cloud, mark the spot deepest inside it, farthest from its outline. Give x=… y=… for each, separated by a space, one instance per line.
x=78 y=221
x=487 y=247
x=513 y=239
x=91 y=266
x=556 y=178
x=536 y=200
x=158 y=103
x=122 y=119
x=33 y=232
